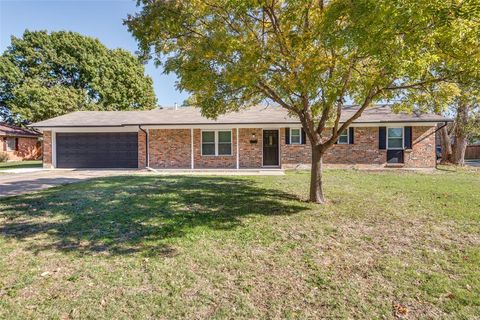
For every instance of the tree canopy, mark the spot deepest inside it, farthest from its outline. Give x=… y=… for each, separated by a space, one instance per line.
x=43 y=75
x=307 y=56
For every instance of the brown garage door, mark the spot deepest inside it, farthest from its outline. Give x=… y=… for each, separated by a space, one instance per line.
x=97 y=150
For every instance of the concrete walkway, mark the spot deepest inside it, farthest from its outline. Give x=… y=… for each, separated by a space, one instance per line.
x=220 y=172
x=25 y=182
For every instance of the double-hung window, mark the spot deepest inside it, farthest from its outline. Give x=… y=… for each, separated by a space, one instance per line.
x=343 y=137
x=224 y=143
x=295 y=136
x=11 y=144
x=208 y=143
x=394 y=138
x=217 y=143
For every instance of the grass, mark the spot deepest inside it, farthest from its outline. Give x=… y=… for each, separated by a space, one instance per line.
x=388 y=245
x=20 y=164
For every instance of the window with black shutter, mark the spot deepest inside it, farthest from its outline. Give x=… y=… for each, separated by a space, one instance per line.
x=11 y=144
x=407 y=143
x=351 y=133
x=295 y=136
x=382 y=138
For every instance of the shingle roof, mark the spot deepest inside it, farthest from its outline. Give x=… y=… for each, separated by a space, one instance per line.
x=192 y=116
x=11 y=130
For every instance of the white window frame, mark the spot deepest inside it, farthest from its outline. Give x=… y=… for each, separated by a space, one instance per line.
x=403 y=138
x=348 y=137
x=216 y=143
x=7 y=146
x=299 y=136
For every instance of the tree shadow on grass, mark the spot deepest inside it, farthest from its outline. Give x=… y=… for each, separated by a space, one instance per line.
x=123 y=215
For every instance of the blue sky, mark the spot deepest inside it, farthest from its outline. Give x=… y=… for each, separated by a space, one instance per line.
x=97 y=18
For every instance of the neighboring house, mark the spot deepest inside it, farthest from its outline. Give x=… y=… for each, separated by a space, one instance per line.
x=19 y=143
x=254 y=138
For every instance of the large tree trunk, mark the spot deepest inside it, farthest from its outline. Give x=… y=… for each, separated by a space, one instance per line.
x=446 y=145
x=460 y=139
x=459 y=147
x=316 y=183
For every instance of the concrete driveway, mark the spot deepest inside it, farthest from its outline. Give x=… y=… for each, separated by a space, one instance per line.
x=473 y=163
x=20 y=183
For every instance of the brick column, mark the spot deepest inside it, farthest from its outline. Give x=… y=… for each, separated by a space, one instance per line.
x=47 y=149
x=142 y=151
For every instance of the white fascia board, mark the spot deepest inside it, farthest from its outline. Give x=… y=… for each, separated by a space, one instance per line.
x=218 y=126
x=93 y=129
x=226 y=126
x=285 y=125
x=394 y=124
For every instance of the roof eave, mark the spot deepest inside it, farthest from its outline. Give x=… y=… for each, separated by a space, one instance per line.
x=231 y=123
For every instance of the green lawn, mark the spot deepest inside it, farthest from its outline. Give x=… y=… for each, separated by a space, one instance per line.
x=388 y=244
x=20 y=164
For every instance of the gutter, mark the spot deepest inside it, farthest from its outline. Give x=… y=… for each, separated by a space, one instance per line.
x=147 y=153
x=228 y=123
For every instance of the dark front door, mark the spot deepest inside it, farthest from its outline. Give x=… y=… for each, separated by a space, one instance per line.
x=270 y=148
x=97 y=150
x=394 y=156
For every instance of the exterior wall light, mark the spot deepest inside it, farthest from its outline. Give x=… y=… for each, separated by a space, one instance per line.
x=253 y=138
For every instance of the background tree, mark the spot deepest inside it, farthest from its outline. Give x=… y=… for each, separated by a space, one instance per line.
x=308 y=57
x=458 y=100
x=458 y=97
x=43 y=75
x=467 y=122
x=438 y=98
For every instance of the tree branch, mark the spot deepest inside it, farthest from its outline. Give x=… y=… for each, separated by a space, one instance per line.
x=372 y=93
x=418 y=84
x=274 y=96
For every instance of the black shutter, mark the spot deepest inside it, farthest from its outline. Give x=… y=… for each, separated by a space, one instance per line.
x=16 y=144
x=287 y=135
x=350 y=135
x=407 y=137
x=382 y=138
x=304 y=137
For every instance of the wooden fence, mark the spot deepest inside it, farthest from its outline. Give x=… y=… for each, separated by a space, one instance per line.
x=472 y=152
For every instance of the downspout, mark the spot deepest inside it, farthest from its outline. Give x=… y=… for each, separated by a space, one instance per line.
x=147 y=157
x=438 y=129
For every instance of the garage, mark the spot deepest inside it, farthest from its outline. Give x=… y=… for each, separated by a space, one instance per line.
x=97 y=150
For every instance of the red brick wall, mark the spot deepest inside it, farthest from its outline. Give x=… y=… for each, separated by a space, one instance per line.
x=294 y=154
x=422 y=154
x=47 y=149
x=364 y=150
x=170 y=148
x=205 y=162
x=28 y=149
x=250 y=153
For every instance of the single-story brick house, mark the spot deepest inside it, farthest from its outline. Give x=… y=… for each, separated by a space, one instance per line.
x=253 y=138
x=19 y=143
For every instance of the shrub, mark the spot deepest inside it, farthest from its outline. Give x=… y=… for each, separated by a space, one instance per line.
x=3 y=157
